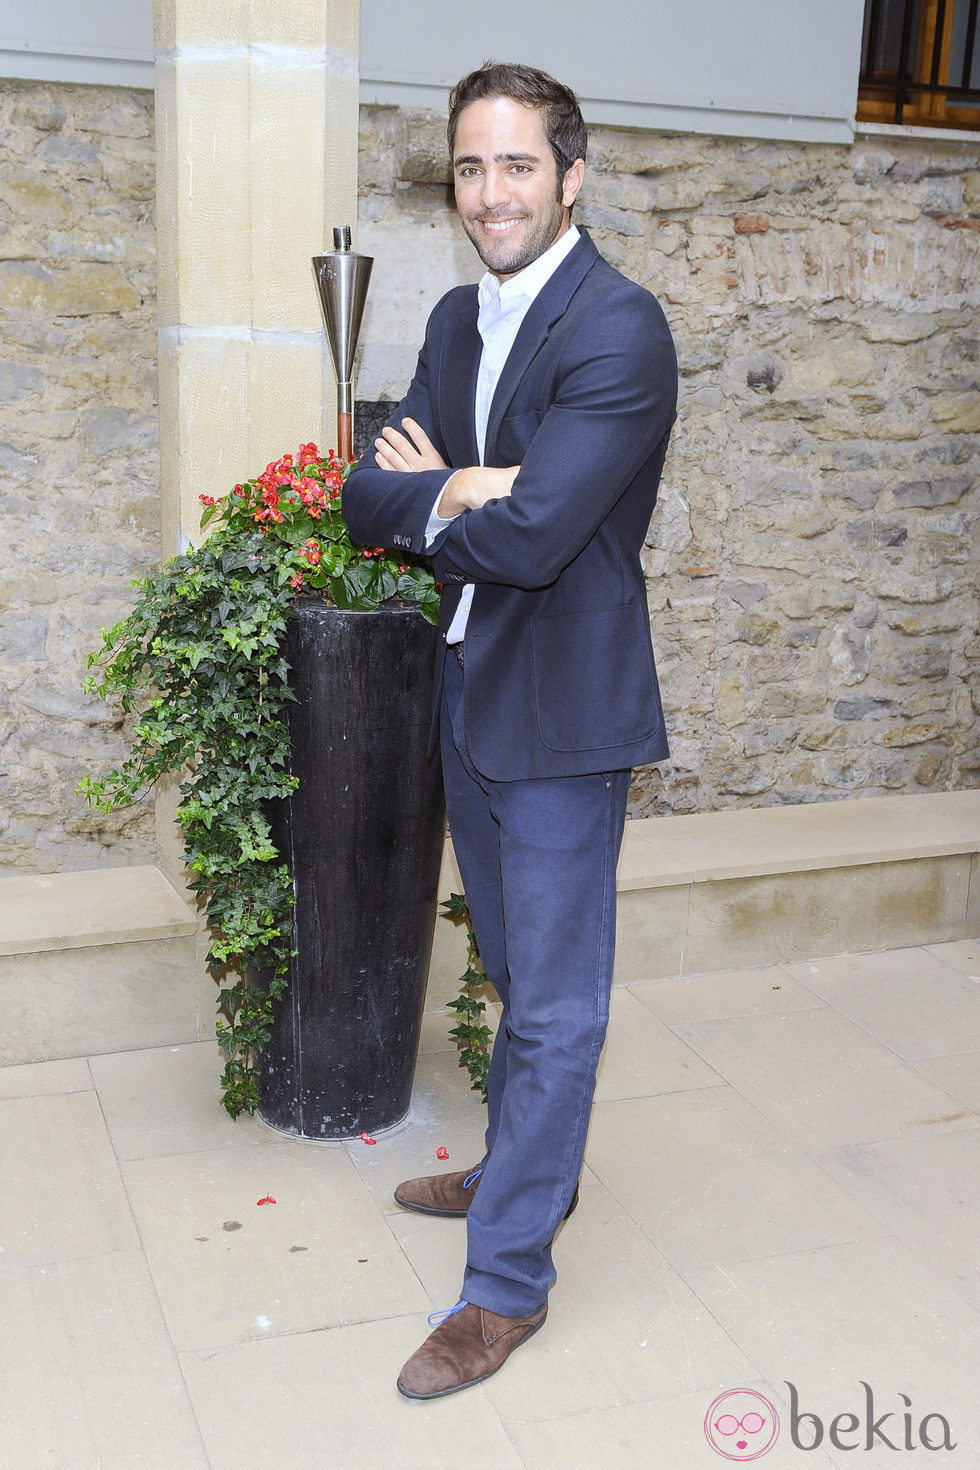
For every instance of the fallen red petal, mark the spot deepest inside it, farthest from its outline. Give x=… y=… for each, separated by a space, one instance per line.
x=442 y=1153
x=265 y=1200
x=366 y=1138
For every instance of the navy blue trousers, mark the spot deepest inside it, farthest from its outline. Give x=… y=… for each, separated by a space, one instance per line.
x=538 y=864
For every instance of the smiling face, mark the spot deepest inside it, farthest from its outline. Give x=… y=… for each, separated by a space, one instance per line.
x=507 y=191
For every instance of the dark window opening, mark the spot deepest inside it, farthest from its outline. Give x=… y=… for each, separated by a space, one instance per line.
x=920 y=63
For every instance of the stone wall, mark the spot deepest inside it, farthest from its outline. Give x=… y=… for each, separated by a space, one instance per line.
x=813 y=562
x=78 y=451
x=812 y=565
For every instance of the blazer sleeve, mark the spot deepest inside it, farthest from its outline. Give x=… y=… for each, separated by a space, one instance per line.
x=614 y=403
x=389 y=508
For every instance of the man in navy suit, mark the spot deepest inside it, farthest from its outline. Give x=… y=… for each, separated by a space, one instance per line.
x=525 y=460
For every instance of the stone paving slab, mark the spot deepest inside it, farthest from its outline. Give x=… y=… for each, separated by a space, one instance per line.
x=758 y=1210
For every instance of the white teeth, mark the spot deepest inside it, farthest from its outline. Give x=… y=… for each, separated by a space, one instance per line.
x=503 y=224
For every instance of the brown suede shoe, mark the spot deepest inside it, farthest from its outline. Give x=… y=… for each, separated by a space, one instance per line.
x=447 y=1194
x=440 y=1194
x=468 y=1346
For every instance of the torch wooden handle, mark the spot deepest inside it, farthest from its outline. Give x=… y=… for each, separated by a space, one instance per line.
x=345 y=435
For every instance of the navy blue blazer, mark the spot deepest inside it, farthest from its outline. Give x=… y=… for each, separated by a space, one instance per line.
x=560 y=677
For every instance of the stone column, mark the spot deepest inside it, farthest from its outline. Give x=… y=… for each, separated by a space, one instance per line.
x=256 y=120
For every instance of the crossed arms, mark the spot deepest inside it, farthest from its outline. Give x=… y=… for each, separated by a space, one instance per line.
x=467 y=489
x=589 y=421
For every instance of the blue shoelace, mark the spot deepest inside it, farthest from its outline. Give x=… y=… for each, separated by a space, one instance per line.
x=436 y=1319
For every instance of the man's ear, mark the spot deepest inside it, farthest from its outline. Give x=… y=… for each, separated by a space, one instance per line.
x=572 y=183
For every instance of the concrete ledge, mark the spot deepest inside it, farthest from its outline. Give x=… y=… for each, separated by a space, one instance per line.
x=104 y=960
x=731 y=889
x=113 y=959
x=103 y=906
x=663 y=851
x=103 y=998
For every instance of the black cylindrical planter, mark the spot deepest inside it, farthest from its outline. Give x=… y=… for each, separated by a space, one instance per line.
x=363 y=837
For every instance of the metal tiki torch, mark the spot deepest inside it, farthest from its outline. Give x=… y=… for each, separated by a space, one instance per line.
x=342 y=278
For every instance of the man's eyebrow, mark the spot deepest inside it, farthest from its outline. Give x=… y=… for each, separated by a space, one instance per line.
x=497 y=158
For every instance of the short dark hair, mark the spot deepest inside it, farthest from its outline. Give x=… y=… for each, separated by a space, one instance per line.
x=563 y=122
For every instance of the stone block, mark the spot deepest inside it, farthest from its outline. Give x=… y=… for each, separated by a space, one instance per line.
x=32 y=197
x=23 y=636
x=803 y=915
x=616 y=221
x=731 y=701
x=905 y=735
x=309 y=28
x=105 y=999
x=130 y=178
x=76 y=290
x=622 y=191
x=204 y=203
x=207 y=433
x=746 y=778
x=39 y=110
x=903 y=587
x=651 y=933
x=423 y=153
x=286 y=400
x=754 y=630
x=804 y=602
x=287 y=168
x=877 y=533
x=19 y=380
x=914 y=665
x=204 y=23
x=126 y=116
x=685 y=192
x=958 y=413
x=81 y=158
x=862 y=707
x=106 y=431
x=949 y=619
x=95 y=962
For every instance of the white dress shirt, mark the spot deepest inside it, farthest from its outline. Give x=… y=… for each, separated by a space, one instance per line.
x=503 y=306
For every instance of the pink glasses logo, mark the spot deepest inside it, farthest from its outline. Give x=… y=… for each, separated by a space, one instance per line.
x=741 y=1425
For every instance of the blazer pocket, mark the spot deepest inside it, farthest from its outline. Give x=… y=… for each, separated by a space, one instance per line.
x=594 y=679
x=513 y=437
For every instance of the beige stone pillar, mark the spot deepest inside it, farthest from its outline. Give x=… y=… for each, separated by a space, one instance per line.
x=256 y=120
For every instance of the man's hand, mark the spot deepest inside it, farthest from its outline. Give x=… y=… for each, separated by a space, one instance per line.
x=472 y=487
x=410 y=451
x=466 y=489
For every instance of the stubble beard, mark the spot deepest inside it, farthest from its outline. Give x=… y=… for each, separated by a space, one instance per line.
x=543 y=234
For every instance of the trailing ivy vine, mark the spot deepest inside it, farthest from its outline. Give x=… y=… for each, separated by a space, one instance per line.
x=471 y=1033
x=199 y=662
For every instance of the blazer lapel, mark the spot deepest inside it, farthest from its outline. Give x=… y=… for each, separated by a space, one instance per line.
x=457 y=384
x=548 y=306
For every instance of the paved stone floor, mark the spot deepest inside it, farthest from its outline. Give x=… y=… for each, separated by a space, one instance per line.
x=782 y=1188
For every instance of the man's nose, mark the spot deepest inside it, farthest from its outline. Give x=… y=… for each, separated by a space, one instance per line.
x=495 y=191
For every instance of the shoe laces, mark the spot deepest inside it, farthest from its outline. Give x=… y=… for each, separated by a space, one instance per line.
x=436 y=1319
x=471 y=1179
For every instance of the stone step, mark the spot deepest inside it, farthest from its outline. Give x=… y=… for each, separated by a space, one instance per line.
x=722 y=890
x=98 y=961
x=113 y=959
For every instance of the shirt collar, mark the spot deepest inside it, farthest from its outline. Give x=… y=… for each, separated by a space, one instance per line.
x=534 y=277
